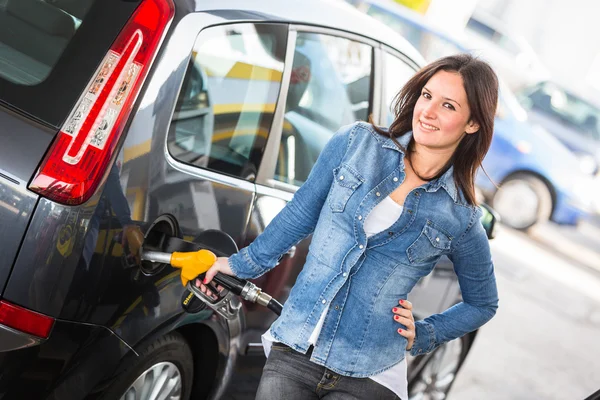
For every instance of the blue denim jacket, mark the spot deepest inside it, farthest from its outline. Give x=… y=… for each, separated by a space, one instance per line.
x=360 y=280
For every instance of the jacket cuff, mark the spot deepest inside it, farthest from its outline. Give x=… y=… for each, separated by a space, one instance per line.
x=425 y=340
x=243 y=266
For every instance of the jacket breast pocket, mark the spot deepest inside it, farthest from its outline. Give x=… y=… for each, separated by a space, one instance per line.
x=345 y=183
x=431 y=243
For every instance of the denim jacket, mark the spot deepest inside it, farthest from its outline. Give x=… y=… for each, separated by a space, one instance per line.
x=360 y=280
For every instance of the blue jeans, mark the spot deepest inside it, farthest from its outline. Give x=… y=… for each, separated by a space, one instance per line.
x=289 y=375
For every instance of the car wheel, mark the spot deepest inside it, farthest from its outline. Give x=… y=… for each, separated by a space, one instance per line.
x=163 y=370
x=436 y=377
x=523 y=201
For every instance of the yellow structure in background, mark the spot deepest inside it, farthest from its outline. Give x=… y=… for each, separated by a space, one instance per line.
x=417 y=5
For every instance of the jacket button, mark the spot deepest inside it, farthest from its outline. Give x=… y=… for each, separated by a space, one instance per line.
x=437 y=239
x=409 y=211
x=395 y=179
x=341 y=177
x=344 y=274
x=324 y=301
x=361 y=246
x=359 y=217
x=337 y=307
x=377 y=194
x=390 y=233
x=417 y=194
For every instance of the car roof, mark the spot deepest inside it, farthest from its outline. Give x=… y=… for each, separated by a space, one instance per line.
x=334 y=14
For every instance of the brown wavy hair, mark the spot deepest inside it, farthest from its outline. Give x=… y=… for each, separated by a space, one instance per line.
x=481 y=85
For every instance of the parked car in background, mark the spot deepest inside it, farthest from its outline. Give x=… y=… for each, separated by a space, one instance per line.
x=129 y=123
x=534 y=187
x=572 y=119
x=512 y=56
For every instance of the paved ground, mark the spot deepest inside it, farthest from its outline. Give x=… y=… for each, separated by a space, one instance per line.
x=545 y=340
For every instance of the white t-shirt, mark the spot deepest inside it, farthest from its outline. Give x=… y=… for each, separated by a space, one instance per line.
x=379 y=219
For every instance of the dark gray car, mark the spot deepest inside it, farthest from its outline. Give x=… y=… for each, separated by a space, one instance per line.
x=128 y=123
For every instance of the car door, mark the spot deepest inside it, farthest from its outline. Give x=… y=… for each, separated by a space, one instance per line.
x=329 y=83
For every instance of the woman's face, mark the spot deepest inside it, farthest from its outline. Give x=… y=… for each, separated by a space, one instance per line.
x=441 y=115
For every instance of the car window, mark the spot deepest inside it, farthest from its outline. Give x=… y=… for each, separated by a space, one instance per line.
x=330 y=86
x=49 y=51
x=33 y=35
x=571 y=110
x=225 y=108
x=396 y=74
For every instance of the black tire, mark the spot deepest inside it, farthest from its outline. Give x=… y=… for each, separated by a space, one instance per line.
x=427 y=383
x=167 y=351
x=523 y=201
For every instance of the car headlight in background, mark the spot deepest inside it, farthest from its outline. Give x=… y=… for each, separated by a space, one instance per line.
x=587 y=163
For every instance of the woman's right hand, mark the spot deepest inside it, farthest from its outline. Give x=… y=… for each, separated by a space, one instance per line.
x=221 y=265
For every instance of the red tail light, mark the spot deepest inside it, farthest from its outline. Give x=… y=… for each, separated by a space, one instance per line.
x=79 y=156
x=25 y=320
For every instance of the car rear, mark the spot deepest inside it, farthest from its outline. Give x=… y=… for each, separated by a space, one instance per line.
x=70 y=73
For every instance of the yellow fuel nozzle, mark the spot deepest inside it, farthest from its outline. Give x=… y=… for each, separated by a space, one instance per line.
x=193 y=263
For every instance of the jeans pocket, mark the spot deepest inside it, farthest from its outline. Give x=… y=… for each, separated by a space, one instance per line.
x=431 y=243
x=345 y=183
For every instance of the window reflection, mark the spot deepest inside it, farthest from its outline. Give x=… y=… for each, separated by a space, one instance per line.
x=226 y=105
x=330 y=86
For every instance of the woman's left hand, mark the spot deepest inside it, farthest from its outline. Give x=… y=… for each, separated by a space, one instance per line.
x=403 y=315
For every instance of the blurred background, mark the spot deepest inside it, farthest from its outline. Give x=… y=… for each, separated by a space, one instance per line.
x=545 y=183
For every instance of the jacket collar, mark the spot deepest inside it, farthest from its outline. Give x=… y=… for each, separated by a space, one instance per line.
x=446 y=181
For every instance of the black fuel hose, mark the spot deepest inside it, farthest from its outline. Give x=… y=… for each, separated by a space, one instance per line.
x=236 y=285
x=248 y=291
x=275 y=306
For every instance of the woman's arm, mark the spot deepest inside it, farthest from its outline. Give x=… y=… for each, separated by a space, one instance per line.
x=298 y=218
x=475 y=271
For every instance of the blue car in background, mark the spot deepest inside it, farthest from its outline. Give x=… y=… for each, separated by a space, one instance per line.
x=533 y=177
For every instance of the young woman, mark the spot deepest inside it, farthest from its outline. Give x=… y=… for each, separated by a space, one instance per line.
x=383 y=205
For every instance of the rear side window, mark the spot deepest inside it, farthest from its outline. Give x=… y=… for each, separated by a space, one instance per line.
x=225 y=108
x=34 y=34
x=50 y=49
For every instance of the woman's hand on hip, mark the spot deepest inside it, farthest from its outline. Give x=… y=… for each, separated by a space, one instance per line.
x=222 y=266
x=403 y=315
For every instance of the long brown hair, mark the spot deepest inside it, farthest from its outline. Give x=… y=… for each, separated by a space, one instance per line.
x=481 y=85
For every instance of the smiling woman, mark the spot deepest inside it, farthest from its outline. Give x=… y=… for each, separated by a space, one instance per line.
x=439 y=111
x=383 y=206
x=449 y=107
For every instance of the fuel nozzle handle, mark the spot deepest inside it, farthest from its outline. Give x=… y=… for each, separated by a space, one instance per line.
x=195 y=263
x=191 y=263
